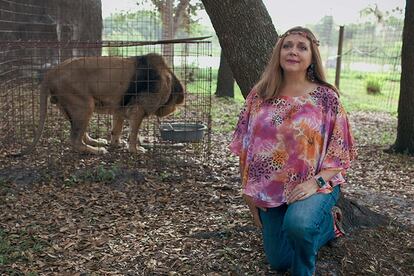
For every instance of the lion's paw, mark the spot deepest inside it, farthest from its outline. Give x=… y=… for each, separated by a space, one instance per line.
x=102 y=151
x=137 y=149
x=119 y=144
x=101 y=142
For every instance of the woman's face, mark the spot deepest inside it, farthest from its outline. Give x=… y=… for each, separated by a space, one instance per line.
x=295 y=54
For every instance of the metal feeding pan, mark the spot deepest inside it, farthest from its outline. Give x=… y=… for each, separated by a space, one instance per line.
x=182 y=132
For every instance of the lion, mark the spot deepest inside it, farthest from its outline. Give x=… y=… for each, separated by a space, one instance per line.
x=127 y=88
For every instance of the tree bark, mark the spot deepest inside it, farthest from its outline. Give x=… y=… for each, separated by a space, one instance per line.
x=166 y=11
x=246 y=35
x=357 y=216
x=225 y=80
x=170 y=23
x=180 y=14
x=170 y=19
x=405 y=130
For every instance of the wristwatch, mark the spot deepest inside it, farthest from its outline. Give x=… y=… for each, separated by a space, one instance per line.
x=320 y=181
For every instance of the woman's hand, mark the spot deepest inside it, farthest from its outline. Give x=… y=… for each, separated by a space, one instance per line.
x=303 y=191
x=254 y=210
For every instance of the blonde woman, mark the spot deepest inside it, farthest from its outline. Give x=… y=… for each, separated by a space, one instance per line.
x=295 y=145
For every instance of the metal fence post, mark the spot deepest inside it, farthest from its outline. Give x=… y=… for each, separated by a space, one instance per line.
x=339 y=56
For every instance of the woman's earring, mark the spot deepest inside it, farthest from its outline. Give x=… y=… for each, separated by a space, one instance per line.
x=311 y=72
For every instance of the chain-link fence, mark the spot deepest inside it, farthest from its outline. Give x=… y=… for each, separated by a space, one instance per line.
x=370 y=62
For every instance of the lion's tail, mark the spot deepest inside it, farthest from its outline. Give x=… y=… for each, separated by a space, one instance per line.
x=44 y=94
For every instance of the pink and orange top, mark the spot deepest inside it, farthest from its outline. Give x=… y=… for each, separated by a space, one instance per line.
x=285 y=141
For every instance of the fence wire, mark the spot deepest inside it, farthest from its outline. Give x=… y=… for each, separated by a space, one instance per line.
x=371 y=63
x=27 y=52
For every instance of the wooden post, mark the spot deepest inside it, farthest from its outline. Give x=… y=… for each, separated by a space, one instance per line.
x=339 y=56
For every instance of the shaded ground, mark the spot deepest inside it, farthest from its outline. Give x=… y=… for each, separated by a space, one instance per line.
x=98 y=216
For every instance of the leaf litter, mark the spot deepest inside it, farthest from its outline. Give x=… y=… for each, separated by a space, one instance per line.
x=76 y=218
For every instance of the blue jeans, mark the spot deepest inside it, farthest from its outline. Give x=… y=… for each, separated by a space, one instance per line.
x=293 y=234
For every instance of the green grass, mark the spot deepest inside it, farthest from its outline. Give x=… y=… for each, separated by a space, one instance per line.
x=224 y=119
x=195 y=86
x=98 y=174
x=238 y=96
x=387 y=138
x=353 y=91
x=354 y=96
x=19 y=247
x=3 y=185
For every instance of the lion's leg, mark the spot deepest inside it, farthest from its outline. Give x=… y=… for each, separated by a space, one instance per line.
x=117 y=124
x=80 y=116
x=100 y=142
x=135 y=120
x=76 y=138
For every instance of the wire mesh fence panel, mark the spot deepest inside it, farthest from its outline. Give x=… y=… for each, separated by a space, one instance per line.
x=70 y=68
x=372 y=59
x=141 y=25
x=21 y=87
x=371 y=62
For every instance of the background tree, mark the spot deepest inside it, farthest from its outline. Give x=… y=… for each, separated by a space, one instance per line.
x=325 y=29
x=48 y=19
x=405 y=130
x=247 y=36
x=77 y=20
x=175 y=14
x=118 y=26
x=179 y=15
x=225 y=79
x=51 y=20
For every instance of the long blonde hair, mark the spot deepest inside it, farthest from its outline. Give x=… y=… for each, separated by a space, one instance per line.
x=271 y=79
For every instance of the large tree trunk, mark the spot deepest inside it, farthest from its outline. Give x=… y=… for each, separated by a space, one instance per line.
x=405 y=131
x=247 y=37
x=171 y=22
x=180 y=14
x=166 y=11
x=50 y=20
x=225 y=80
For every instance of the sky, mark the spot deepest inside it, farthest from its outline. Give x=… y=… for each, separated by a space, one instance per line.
x=300 y=12
x=289 y=13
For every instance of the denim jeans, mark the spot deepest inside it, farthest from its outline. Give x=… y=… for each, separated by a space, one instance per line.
x=293 y=234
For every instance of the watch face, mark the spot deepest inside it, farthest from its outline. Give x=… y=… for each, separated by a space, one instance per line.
x=321 y=181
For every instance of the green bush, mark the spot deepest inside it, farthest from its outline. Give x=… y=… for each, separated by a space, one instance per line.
x=374 y=84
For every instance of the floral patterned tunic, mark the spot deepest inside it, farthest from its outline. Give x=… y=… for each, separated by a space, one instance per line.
x=286 y=140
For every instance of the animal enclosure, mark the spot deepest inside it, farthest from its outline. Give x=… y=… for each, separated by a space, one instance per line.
x=183 y=134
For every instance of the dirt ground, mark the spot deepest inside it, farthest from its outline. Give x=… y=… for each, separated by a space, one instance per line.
x=87 y=215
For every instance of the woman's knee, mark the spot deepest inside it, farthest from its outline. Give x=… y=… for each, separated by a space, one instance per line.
x=298 y=227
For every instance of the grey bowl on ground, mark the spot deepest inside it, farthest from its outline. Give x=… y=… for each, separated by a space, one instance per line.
x=182 y=132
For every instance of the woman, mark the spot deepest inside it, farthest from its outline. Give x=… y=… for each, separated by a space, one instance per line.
x=295 y=144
